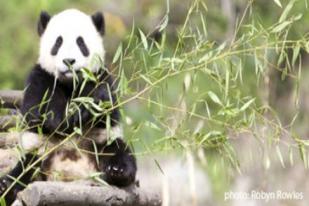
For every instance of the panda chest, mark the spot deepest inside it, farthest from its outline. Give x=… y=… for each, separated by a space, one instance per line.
x=68 y=164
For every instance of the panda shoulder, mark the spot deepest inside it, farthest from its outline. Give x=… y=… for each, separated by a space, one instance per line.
x=38 y=74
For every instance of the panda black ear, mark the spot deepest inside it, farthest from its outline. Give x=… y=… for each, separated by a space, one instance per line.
x=43 y=21
x=98 y=21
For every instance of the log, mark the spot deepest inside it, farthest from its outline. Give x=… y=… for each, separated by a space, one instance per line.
x=79 y=194
x=11 y=98
x=7 y=122
x=9 y=139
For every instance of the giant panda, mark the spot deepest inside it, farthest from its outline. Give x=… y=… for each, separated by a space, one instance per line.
x=80 y=140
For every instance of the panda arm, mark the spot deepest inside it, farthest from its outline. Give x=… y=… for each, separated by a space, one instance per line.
x=100 y=92
x=44 y=103
x=18 y=171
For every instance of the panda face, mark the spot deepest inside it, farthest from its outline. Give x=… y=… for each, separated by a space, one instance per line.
x=71 y=40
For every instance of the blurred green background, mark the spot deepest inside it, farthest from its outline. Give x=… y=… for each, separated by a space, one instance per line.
x=249 y=86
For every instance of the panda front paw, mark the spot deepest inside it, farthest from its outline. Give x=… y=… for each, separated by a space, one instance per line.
x=5 y=183
x=120 y=170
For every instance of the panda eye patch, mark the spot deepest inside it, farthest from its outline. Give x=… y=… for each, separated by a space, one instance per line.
x=57 y=46
x=82 y=46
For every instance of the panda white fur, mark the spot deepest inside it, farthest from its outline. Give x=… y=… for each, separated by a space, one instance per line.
x=70 y=42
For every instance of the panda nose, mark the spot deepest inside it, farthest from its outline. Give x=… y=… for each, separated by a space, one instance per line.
x=69 y=61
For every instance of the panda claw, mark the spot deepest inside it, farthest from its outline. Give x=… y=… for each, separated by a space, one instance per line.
x=4 y=185
x=115 y=168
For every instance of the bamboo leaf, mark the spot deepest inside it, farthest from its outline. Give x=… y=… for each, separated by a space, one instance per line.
x=286 y=11
x=278 y=3
x=164 y=23
x=247 y=104
x=281 y=26
x=144 y=39
x=291 y=156
x=302 y=151
x=146 y=79
x=296 y=51
x=117 y=54
x=152 y=125
x=158 y=165
x=214 y=98
x=280 y=155
x=297 y=17
x=2 y=202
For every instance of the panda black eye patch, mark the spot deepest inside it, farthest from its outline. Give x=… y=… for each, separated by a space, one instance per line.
x=82 y=46
x=57 y=46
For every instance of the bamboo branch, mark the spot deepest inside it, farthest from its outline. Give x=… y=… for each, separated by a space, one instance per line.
x=77 y=194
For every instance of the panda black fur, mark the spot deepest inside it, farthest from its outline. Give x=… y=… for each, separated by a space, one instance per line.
x=69 y=42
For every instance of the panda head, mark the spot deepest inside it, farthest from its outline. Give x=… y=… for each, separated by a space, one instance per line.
x=70 y=41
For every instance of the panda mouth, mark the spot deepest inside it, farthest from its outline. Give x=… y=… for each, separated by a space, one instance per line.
x=70 y=72
x=66 y=72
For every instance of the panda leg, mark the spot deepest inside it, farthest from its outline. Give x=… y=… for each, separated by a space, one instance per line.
x=118 y=164
x=7 y=180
